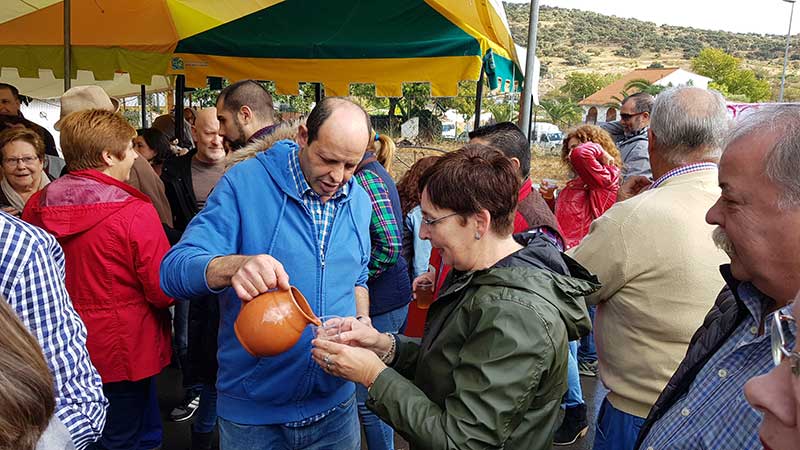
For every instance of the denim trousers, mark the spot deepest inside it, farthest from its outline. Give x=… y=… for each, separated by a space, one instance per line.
x=574 y=395
x=133 y=421
x=616 y=430
x=586 y=351
x=379 y=435
x=338 y=430
x=205 y=417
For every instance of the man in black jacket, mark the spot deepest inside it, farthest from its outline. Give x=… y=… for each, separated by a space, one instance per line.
x=758 y=215
x=188 y=180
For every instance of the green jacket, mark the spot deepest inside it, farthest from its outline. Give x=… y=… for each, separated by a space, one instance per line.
x=491 y=368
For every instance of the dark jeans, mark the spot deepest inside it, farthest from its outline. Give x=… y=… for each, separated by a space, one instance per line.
x=586 y=351
x=616 y=430
x=133 y=421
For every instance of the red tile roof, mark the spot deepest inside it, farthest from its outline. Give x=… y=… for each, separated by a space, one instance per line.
x=603 y=96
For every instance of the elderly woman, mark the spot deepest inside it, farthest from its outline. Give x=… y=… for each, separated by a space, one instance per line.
x=113 y=244
x=777 y=394
x=22 y=152
x=490 y=370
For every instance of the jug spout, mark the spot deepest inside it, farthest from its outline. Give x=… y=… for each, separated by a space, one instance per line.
x=304 y=307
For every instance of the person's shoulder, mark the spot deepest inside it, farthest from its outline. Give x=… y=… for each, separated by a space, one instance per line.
x=24 y=240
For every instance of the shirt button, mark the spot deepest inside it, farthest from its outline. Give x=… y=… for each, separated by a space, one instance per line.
x=685 y=412
x=650 y=448
x=753 y=330
x=722 y=373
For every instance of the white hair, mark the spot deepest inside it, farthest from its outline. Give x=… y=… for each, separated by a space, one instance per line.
x=689 y=123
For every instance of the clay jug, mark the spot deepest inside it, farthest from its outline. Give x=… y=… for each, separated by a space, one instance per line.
x=273 y=322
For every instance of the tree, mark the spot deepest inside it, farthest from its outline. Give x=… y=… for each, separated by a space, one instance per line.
x=729 y=77
x=578 y=86
x=562 y=112
x=503 y=111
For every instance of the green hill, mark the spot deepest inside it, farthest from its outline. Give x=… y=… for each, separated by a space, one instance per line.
x=575 y=40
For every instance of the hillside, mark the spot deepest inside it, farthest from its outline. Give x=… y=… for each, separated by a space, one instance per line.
x=573 y=40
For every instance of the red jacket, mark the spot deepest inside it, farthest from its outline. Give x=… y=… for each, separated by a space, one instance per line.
x=113 y=245
x=587 y=196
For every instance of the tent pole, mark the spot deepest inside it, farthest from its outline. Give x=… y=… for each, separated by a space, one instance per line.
x=143 y=106
x=527 y=93
x=479 y=97
x=67 y=45
x=180 y=88
x=317 y=92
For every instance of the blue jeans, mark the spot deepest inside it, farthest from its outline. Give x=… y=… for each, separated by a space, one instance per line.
x=380 y=436
x=615 y=429
x=206 y=415
x=338 y=430
x=133 y=420
x=574 y=395
x=180 y=327
x=587 y=352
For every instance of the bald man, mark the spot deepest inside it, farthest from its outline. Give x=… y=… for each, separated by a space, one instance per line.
x=290 y=214
x=188 y=179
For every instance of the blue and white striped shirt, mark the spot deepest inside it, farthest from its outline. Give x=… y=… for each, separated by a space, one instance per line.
x=32 y=281
x=714 y=414
x=322 y=213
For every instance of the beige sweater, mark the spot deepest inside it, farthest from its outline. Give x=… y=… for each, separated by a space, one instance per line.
x=660 y=273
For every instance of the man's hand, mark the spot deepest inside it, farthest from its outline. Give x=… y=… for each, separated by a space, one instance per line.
x=11 y=210
x=249 y=276
x=633 y=186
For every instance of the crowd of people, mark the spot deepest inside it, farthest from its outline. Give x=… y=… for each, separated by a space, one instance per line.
x=665 y=265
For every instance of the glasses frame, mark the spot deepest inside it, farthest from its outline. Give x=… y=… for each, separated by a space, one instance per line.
x=14 y=162
x=432 y=222
x=630 y=116
x=778 y=343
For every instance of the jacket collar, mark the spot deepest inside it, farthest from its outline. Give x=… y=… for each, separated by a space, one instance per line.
x=100 y=177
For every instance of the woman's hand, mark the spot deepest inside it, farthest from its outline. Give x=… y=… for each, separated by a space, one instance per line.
x=13 y=211
x=355 y=333
x=351 y=363
x=425 y=278
x=605 y=158
x=547 y=190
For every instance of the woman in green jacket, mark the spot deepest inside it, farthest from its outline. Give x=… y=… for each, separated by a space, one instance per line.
x=491 y=367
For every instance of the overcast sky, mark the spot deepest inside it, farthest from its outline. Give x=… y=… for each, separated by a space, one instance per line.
x=758 y=16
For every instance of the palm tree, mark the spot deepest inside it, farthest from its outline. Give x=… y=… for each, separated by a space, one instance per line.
x=636 y=85
x=562 y=112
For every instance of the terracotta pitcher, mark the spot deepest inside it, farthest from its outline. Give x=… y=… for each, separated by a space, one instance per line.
x=272 y=323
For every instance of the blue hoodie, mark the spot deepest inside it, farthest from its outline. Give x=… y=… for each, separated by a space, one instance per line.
x=255 y=209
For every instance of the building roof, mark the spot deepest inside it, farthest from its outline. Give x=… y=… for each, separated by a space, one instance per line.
x=604 y=96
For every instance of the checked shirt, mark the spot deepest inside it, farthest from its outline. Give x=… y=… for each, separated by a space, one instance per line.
x=32 y=281
x=384 y=231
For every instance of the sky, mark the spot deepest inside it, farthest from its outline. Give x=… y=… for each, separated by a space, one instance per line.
x=741 y=16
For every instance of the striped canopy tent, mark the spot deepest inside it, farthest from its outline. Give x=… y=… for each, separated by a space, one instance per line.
x=341 y=42
x=333 y=42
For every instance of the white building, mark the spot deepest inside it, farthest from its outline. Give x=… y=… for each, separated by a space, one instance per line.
x=601 y=106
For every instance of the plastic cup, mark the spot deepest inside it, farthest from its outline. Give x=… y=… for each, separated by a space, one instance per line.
x=330 y=328
x=424 y=295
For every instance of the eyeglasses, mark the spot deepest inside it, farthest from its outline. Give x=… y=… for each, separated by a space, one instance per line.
x=26 y=160
x=431 y=222
x=630 y=116
x=780 y=335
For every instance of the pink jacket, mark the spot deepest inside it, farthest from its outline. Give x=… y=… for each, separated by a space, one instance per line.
x=588 y=195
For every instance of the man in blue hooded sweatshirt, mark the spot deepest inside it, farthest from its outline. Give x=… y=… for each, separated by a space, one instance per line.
x=289 y=215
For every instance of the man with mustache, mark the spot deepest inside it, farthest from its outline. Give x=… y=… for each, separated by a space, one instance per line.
x=757 y=218
x=290 y=214
x=654 y=256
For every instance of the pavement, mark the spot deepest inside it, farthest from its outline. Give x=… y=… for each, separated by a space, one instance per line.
x=177 y=435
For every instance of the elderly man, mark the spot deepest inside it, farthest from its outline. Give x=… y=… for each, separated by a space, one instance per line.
x=188 y=181
x=630 y=134
x=656 y=260
x=32 y=281
x=757 y=218
x=286 y=215
x=245 y=112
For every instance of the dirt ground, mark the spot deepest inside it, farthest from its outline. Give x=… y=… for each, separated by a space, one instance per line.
x=543 y=165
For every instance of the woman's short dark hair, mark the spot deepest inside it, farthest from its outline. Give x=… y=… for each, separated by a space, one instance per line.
x=158 y=141
x=473 y=178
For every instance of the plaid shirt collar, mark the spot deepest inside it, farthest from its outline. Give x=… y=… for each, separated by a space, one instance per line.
x=303 y=188
x=688 y=168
